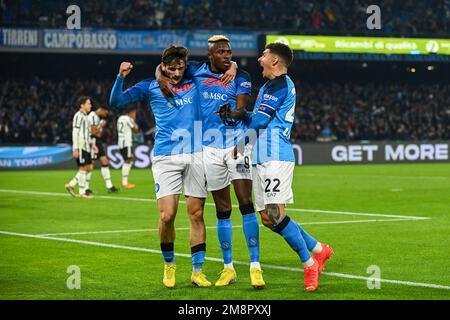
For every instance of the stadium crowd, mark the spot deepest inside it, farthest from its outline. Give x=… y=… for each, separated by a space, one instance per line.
x=40 y=111
x=323 y=16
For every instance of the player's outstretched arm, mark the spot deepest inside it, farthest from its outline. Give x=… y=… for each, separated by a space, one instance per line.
x=242 y=101
x=118 y=98
x=258 y=121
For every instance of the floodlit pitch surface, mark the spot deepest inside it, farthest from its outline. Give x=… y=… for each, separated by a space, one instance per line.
x=394 y=217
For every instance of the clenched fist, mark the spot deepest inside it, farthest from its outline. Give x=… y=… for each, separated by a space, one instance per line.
x=125 y=69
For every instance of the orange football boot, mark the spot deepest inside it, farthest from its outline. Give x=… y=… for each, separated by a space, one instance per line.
x=323 y=256
x=311 y=279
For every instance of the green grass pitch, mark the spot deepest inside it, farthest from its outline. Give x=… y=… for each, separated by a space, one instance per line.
x=396 y=217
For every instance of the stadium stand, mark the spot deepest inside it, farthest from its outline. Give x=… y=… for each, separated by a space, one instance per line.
x=324 y=16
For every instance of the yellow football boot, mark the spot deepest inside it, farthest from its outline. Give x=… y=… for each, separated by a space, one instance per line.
x=227 y=276
x=169 y=275
x=199 y=279
x=257 y=278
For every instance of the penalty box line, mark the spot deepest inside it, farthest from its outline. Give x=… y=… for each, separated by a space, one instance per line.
x=266 y=266
x=56 y=194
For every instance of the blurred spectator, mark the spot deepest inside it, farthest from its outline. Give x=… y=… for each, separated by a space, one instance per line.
x=372 y=111
x=40 y=111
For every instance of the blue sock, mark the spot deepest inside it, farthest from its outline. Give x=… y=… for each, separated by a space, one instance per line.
x=251 y=231
x=224 y=232
x=291 y=233
x=310 y=241
x=198 y=257
x=168 y=252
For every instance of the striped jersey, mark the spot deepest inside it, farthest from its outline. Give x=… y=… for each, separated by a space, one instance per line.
x=125 y=124
x=94 y=120
x=81 y=132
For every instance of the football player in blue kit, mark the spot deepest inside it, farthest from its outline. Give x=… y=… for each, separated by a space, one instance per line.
x=271 y=123
x=177 y=166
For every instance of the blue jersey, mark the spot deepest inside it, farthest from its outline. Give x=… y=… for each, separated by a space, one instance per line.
x=276 y=100
x=175 y=117
x=214 y=93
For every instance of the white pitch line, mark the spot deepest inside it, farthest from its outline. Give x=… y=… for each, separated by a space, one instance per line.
x=370 y=176
x=214 y=227
x=38 y=193
x=117 y=231
x=366 y=214
x=266 y=266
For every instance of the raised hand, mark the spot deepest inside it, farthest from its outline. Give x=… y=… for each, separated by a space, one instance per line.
x=125 y=69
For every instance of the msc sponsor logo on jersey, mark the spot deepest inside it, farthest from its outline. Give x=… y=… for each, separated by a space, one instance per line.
x=246 y=84
x=180 y=102
x=211 y=82
x=270 y=97
x=215 y=96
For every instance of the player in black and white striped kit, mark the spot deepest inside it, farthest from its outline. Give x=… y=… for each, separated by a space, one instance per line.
x=126 y=125
x=82 y=146
x=97 y=121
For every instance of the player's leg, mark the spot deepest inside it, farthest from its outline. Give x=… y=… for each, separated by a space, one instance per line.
x=250 y=226
x=243 y=190
x=126 y=168
x=222 y=202
x=276 y=189
x=218 y=178
x=194 y=185
x=72 y=183
x=167 y=176
x=85 y=163
x=104 y=162
x=88 y=190
x=168 y=207
x=197 y=240
x=241 y=175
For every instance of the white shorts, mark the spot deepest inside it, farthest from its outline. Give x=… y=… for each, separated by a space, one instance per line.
x=221 y=168
x=177 y=174
x=272 y=183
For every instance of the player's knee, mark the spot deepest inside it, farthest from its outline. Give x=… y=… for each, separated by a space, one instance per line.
x=167 y=217
x=247 y=208
x=196 y=214
x=245 y=200
x=223 y=214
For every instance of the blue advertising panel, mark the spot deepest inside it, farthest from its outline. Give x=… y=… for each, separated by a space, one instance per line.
x=150 y=40
x=30 y=157
x=239 y=40
x=19 y=38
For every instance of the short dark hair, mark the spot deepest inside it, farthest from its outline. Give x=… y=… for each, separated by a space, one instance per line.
x=82 y=100
x=174 y=52
x=283 y=51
